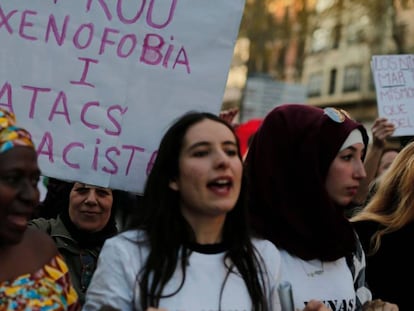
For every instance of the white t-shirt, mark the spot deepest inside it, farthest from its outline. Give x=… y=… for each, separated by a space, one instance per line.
x=330 y=282
x=120 y=260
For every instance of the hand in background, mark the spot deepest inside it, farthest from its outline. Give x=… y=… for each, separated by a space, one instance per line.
x=228 y=115
x=379 y=305
x=381 y=130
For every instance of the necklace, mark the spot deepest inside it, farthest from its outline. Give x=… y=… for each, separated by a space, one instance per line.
x=312 y=267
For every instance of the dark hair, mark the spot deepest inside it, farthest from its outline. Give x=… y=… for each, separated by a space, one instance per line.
x=405 y=140
x=169 y=234
x=56 y=199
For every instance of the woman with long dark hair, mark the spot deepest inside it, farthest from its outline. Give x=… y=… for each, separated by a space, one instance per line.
x=191 y=248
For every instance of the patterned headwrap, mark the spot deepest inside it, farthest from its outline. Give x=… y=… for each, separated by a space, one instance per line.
x=10 y=134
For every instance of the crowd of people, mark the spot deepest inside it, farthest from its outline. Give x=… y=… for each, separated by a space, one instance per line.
x=217 y=229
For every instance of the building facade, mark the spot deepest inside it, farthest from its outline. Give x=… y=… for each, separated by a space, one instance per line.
x=327 y=46
x=344 y=35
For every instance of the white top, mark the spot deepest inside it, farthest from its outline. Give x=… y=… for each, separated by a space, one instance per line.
x=330 y=282
x=121 y=258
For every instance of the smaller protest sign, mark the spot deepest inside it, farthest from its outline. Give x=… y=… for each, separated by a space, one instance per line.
x=394 y=85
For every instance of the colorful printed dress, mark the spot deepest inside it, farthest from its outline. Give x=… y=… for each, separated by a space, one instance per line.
x=48 y=289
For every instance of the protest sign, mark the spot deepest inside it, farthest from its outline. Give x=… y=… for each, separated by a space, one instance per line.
x=98 y=82
x=262 y=93
x=394 y=85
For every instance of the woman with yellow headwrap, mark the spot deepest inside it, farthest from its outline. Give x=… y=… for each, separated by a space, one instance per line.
x=33 y=275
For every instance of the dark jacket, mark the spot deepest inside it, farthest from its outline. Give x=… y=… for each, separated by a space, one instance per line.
x=80 y=261
x=391 y=266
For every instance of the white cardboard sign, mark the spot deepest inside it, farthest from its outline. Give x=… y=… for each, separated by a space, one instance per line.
x=394 y=85
x=97 y=82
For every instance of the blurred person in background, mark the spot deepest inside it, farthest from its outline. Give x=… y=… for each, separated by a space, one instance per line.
x=378 y=159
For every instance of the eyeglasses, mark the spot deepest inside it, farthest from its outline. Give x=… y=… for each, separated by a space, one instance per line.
x=88 y=267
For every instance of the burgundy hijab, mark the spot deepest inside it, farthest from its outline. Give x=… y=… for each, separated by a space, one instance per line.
x=286 y=166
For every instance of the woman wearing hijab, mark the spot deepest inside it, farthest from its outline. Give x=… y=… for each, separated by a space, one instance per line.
x=304 y=166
